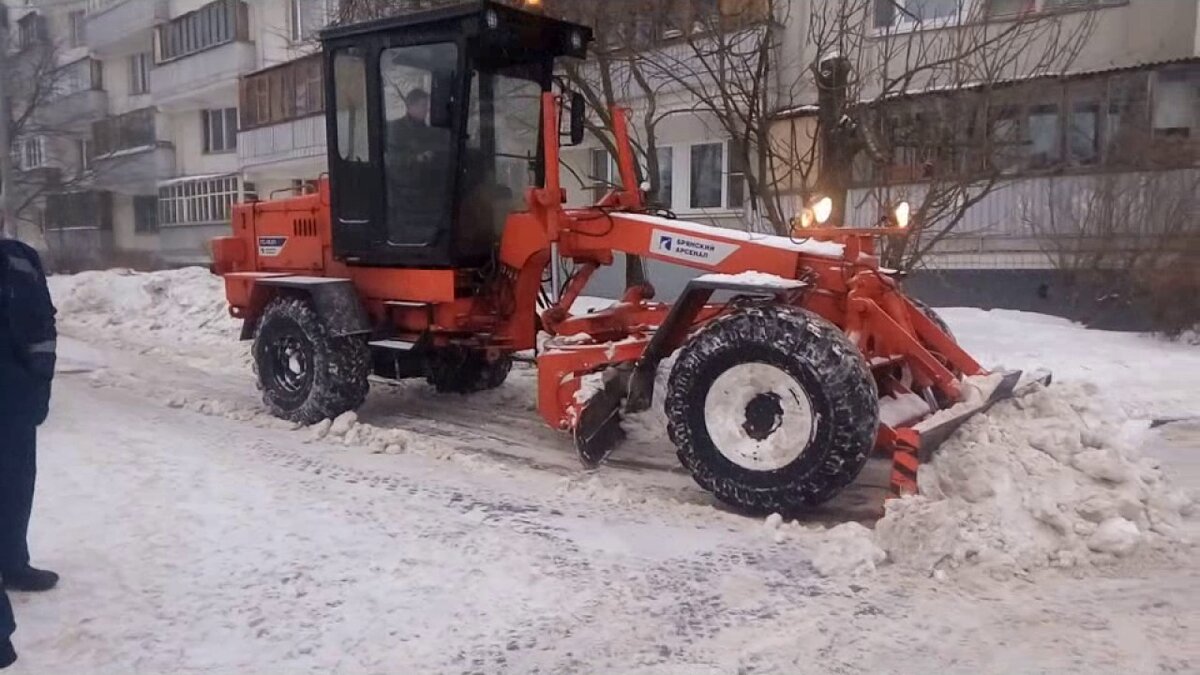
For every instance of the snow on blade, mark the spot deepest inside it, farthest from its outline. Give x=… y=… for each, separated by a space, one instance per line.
x=752 y=279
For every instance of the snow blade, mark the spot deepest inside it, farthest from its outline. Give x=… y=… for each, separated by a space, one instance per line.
x=934 y=431
x=598 y=431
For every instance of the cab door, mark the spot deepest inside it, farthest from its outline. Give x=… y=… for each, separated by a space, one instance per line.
x=355 y=172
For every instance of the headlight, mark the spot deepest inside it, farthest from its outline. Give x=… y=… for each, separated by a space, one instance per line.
x=903 y=212
x=492 y=19
x=576 y=40
x=822 y=210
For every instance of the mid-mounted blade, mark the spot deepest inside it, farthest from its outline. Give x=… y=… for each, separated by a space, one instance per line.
x=937 y=429
x=598 y=431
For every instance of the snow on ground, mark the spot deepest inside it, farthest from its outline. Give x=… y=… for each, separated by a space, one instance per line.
x=433 y=533
x=1148 y=377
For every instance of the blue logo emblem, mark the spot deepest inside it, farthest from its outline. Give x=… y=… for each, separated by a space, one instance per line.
x=665 y=243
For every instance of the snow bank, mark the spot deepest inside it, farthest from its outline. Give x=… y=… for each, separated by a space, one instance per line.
x=1052 y=479
x=163 y=309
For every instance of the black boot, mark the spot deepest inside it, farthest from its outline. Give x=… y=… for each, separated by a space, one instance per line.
x=30 y=580
x=8 y=655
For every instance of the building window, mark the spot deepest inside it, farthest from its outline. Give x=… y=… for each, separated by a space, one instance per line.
x=1044 y=147
x=198 y=202
x=1176 y=101
x=666 y=177
x=902 y=13
x=84 y=148
x=306 y=17
x=139 y=73
x=31 y=30
x=78 y=22
x=214 y=24
x=145 y=214
x=708 y=176
x=33 y=153
x=1083 y=134
x=220 y=130
x=602 y=173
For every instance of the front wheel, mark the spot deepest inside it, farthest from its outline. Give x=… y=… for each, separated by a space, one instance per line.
x=307 y=375
x=772 y=409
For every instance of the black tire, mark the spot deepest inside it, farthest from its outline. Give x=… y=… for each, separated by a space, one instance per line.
x=323 y=376
x=803 y=351
x=461 y=371
x=934 y=317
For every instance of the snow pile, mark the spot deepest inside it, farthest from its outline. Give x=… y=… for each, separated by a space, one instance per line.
x=185 y=306
x=1054 y=478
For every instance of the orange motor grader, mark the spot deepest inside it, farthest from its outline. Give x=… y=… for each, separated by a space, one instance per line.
x=423 y=254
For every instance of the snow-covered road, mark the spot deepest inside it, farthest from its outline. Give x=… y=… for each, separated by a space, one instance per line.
x=195 y=535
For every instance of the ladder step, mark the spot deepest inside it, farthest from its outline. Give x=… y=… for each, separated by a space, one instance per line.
x=396 y=345
x=405 y=304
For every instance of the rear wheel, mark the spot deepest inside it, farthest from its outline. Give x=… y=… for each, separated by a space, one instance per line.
x=772 y=409
x=454 y=370
x=307 y=375
x=934 y=317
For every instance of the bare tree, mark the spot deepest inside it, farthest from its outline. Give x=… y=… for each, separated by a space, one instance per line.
x=43 y=133
x=1127 y=240
x=919 y=111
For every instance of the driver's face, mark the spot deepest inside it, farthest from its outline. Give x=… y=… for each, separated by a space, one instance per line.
x=419 y=110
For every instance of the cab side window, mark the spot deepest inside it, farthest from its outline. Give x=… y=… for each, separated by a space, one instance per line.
x=350 y=84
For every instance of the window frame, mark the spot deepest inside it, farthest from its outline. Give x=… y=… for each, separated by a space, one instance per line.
x=203 y=201
x=976 y=10
x=139 y=73
x=219 y=129
x=77 y=28
x=143 y=204
x=33 y=153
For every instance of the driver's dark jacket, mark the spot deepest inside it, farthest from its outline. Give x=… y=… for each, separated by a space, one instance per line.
x=27 y=335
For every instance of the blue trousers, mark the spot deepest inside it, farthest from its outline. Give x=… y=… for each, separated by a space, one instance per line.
x=8 y=625
x=18 y=473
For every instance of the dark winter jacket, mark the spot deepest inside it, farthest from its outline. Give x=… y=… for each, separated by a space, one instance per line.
x=27 y=335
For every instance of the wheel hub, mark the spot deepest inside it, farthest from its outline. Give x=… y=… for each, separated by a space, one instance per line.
x=291 y=364
x=764 y=414
x=758 y=416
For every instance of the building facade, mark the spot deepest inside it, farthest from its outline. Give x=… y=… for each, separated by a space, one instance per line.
x=146 y=120
x=166 y=112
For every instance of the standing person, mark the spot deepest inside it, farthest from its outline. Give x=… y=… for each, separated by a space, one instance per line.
x=27 y=357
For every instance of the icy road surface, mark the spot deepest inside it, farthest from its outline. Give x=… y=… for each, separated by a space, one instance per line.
x=196 y=536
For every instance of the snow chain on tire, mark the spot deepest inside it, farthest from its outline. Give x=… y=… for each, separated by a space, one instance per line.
x=805 y=353
x=334 y=380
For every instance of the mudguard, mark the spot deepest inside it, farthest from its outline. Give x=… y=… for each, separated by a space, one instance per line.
x=335 y=300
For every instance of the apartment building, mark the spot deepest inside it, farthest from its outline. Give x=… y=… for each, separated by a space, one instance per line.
x=172 y=110
x=1127 y=104
x=144 y=122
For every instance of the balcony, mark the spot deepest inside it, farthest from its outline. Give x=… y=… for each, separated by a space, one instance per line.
x=134 y=171
x=282 y=121
x=200 y=52
x=75 y=111
x=292 y=148
x=122 y=26
x=129 y=157
x=189 y=81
